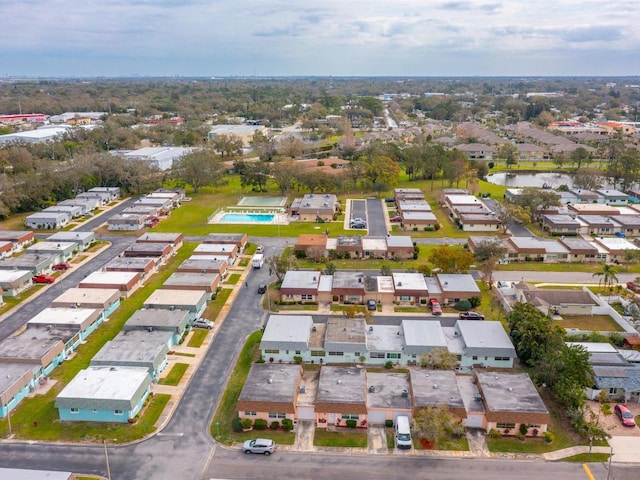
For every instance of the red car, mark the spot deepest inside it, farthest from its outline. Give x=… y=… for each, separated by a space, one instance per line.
x=396 y=219
x=435 y=307
x=42 y=278
x=61 y=266
x=625 y=415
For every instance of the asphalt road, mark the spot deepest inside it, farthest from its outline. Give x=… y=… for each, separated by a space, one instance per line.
x=232 y=464
x=375 y=218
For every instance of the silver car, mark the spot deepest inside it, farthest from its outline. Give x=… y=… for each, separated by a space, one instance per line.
x=202 y=323
x=259 y=445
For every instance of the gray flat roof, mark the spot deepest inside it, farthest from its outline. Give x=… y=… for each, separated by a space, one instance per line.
x=110 y=278
x=133 y=348
x=348 y=279
x=409 y=281
x=271 y=383
x=387 y=391
x=485 y=337
x=71 y=236
x=129 y=263
x=34 y=343
x=83 y=297
x=342 y=385
x=470 y=394
x=161 y=318
x=203 y=262
x=345 y=335
x=457 y=282
x=105 y=383
x=191 y=279
x=385 y=338
x=301 y=279
x=78 y=318
x=287 y=332
x=160 y=237
x=420 y=335
x=435 y=387
x=27 y=474
x=399 y=241
x=510 y=392
x=176 y=297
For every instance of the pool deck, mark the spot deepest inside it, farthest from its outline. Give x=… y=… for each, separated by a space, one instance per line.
x=278 y=218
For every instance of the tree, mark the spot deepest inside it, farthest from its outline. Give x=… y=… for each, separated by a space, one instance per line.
x=199 y=168
x=588 y=179
x=451 y=259
x=488 y=267
x=285 y=173
x=489 y=248
x=263 y=145
x=382 y=170
x=228 y=145
x=329 y=268
x=439 y=359
x=533 y=333
x=385 y=270
x=567 y=371
x=510 y=213
x=579 y=156
x=625 y=170
x=291 y=147
x=607 y=275
x=535 y=199
x=279 y=265
x=433 y=423
x=255 y=174
x=509 y=152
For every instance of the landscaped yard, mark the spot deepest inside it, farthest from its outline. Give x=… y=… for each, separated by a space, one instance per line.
x=343 y=437
x=596 y=323
x=175 y=374
x=197 y=338
x=232 y=279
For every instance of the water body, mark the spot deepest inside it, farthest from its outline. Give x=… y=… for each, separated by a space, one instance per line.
x=517 y=180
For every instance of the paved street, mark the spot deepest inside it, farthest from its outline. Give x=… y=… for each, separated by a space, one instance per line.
x=376 y=218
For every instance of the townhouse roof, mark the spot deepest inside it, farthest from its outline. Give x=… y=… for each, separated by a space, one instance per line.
x=578 y=245
x=422 y=335
x=435 y=387
x=160 y=318
x=311 y=239
x=301 y=279
x=409 y=281
x=487 y=338
x=271 y=383
x=543 y=297
x=510 y=392
x=388 y=391
x=596 y=220
x=561 y=221
x=342 y=385
x=345 y=335
x=385 y=338
x=457 y=282
x=371 y=244
x=348 y=279
x=418 y=216
x=399 y=241
x=287 y=331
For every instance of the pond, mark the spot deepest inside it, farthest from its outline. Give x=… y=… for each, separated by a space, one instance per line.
x=540 y=179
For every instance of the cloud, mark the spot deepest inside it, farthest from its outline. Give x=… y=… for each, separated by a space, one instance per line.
x=597 y=33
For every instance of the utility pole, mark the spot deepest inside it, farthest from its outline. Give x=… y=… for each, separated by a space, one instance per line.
x=106 y=457
x=609 y=469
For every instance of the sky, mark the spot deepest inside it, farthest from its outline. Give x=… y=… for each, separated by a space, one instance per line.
x=319 y=38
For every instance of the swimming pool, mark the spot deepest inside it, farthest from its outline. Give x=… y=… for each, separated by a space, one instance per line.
x=247 y=218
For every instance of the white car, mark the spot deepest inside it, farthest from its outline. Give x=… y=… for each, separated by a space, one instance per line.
x=202 y=323
x=259 y=445
x=260 y=249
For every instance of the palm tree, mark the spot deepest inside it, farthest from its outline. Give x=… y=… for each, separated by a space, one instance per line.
x=607 y=275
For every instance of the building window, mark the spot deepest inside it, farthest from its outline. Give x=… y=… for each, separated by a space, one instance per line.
x=336 y=354
x=317 y=353
x=289 y=295
x=269 y=350
x=249 y=413
x=376 y=355
x=475 y=357
x=350 y=416
x=405 y=298
x=297 y=352
x=613 y=391
x=117 y=412
x=502 y=359
x=74 y=410
x=393 y=355
x=505 y=425
x=306 y=297
x=277 y=415
x=357 y=354
x=534 y=425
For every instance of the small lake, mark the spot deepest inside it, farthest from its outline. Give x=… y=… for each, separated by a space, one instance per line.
x=518 y=180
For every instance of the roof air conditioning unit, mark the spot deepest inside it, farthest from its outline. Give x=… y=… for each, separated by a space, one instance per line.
x=404 y=393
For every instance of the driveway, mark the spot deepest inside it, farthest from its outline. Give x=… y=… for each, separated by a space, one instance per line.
x=611 y=423
x=377 y=221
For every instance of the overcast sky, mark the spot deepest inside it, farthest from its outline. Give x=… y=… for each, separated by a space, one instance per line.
x=319 y=37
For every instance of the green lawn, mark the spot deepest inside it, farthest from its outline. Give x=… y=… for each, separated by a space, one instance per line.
x=175 y=375
x=232 y=279
x=243 y=262
x=351 y=438
x=220 y=427
x=197 y=337
x=596 y=323
x=41 y=409
x=565 y=267
x=12 y=302
x=212 y=311
x=588 y=458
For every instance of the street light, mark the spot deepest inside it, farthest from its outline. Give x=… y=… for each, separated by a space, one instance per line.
x=106 y=457
x=609 y=469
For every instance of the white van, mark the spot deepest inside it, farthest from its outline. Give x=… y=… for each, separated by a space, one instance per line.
x=403 y=432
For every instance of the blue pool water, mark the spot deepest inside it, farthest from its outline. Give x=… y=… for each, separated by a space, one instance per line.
x=247 y=218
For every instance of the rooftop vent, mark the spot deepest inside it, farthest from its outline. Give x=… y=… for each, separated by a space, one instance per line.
x=314 y=329
x=477 y=397
x=339 y=382
x=370 y=328
x=270 y=380
x=404 y=393
x=372 y=389
x=435 y=386
x=303 y=389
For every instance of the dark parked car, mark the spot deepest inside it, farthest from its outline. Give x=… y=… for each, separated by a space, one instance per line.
x=262 y=288
x=395 y=219
x=470 y=316
x=42 y=278
x=371 y=305
x=625 y=415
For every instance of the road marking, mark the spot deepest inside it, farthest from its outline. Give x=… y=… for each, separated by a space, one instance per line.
x=170 y=434
x=587 y=471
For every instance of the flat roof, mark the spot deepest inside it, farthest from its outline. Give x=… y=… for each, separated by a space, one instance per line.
x=110 y=278
x=176 y=297
x=271 y=383
x=158 y=318
x=71 y=236
x=399 y=241
x=28 y=474
x=134 y=347
x=203 y=280
x=390 y=390
x=384 y=338
x=455 y=199
x=345 y=332
x=435 y=387
x=69 y=317
x=409 y=281
x=374 y=244
x=203 y=262
x=457 y=282
x=385 y=284
x=87 y=296
x=51 y=246
x=105 y=383
x=221 y=248
x=348 y=279
x=510 y=392
x=297 y=279
x=34 y=344
x=418 y=216
x=615 y=243
x=484 y=334
x=135 y=263
x=342 y=385
x=13 y=275
x=422 y=334
x=594 y=347
x=287 y=330
x=160 y=237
